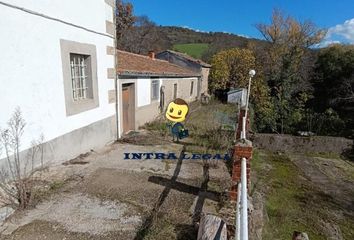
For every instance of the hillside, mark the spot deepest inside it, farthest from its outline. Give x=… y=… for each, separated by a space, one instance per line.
x=217 y=40
x=199 y=44
x=195 y=50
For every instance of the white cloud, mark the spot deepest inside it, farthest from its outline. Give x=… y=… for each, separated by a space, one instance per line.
x=341 y=33
x=243 y=35
x=345 y=30
x=197 y=30
x=325 y=43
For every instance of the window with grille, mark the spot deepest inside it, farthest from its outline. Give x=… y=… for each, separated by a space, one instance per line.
x=80 y=76
x=79 y=65
x=155 y=86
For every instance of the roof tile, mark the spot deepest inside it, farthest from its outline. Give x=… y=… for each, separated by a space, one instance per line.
x=131 y=63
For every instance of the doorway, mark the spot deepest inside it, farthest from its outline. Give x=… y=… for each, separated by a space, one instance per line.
x=128 y=106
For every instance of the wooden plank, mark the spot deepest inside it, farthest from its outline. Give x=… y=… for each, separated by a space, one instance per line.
x=212 y=228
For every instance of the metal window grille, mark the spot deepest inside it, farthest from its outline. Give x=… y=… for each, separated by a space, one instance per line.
x=155 y=85
x=79 y=76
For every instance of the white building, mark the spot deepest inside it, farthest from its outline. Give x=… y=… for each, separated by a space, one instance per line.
x=57 y=64
x=147 y=85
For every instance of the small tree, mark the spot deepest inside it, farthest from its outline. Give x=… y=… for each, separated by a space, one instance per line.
x=230 y=69
x=17 y=176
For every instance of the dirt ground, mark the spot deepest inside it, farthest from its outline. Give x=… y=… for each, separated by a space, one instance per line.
x=102 y=196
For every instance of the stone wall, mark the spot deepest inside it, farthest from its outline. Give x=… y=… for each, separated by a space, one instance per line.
x=289 y=143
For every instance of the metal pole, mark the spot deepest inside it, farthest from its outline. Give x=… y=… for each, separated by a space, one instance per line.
x=243 y=132
x=246 y=111
x=238 y=213
x=244 y=204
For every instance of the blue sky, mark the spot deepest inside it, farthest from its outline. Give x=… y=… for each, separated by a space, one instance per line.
x=239 y=17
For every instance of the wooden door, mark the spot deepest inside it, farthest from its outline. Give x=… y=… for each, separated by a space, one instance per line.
x=128 y=107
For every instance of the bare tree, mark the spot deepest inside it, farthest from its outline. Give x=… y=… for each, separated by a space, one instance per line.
x=124 y=17
x=17 y=174
x=142 y=37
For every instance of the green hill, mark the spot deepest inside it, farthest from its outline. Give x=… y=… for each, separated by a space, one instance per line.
x=202 y=45
x=195 y=50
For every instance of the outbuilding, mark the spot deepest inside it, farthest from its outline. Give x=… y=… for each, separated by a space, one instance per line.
x=146 y=85
x=193 y=64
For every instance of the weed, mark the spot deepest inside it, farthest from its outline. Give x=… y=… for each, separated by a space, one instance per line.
x=158 y=125
x=167 y=164
x=56 y=185
x=161 y=230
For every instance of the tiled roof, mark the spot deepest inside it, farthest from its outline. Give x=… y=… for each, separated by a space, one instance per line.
x=135 y=64
x=186 y=56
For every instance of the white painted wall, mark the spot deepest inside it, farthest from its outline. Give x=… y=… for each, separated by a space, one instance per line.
x=143 y=91
x=30 y=64
x=87 y=13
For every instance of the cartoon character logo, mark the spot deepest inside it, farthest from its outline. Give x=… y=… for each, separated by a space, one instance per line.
x=176 y=112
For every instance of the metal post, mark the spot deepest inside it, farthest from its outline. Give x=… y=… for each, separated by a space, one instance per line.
x=238 y=213
x=243 y=132
x=251 y=73
x=244 y=204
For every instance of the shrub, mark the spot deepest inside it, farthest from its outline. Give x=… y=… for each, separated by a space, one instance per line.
x=17 y=176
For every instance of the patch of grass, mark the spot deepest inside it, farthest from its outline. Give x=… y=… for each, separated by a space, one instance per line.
x=161 y=230
x=195 y=50
x=285 y=205
x=158 y=125
x=256 y=161
x=42 y=192
x=56 y=185
x=215 y=186
x=167 y=229
x=347 y=228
